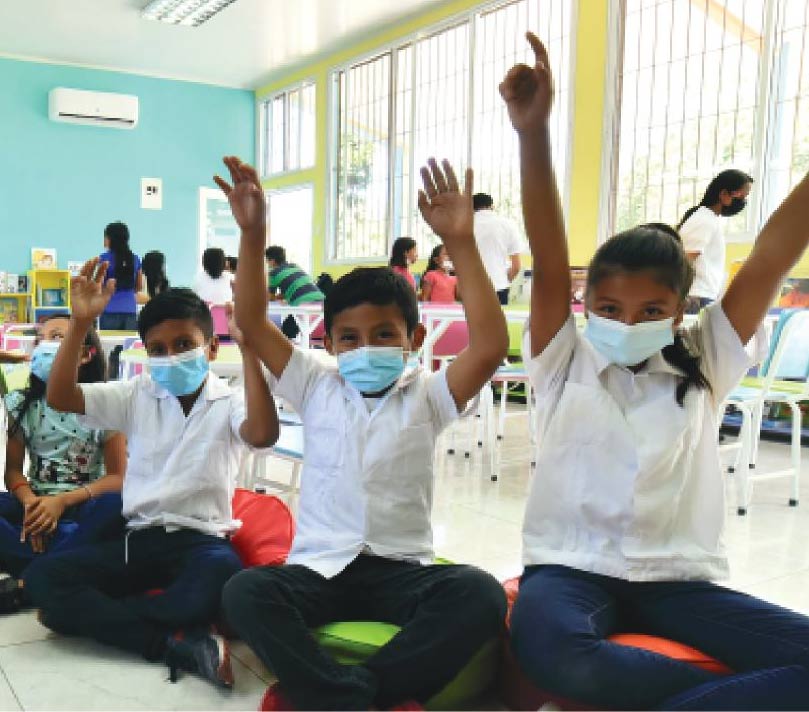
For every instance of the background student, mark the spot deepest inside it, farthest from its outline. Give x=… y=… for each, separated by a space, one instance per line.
x=702 y=232
x=437 y=284
x=403 y=254
x=213 y=284
x=291 y=284
x=154 y=270
x=624 y=519
x=363 y=543
x=125 y=268
x=71 y=496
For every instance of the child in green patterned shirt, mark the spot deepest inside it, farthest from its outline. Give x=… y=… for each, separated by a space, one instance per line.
x=72 y=493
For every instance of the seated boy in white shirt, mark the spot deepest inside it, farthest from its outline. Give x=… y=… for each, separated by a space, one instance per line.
x=185 y=429
x=363 y=545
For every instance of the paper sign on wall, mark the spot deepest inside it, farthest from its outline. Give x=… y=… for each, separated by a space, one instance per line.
x=151 y=193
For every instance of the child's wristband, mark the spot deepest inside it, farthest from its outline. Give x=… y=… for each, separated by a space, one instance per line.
x=24 y=483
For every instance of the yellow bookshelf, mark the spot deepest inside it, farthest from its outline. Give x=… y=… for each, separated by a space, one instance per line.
x=14 y=307
x=50 y=292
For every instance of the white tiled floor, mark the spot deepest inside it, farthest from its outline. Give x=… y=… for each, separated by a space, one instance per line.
x=476 y=521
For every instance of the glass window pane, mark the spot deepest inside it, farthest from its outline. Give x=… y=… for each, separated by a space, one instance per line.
x=277 y=158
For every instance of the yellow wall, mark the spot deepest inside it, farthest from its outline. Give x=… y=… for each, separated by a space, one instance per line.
x=591 y=49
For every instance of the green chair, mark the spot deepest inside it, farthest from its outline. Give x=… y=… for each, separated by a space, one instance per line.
x=353 y=642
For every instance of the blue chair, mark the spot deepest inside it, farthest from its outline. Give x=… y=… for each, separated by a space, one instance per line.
x=783 y=379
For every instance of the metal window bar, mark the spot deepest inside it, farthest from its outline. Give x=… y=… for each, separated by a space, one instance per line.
x=689 y=85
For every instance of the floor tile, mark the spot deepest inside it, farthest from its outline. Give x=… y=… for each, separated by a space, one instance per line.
x=21 y=627
x=75 y=674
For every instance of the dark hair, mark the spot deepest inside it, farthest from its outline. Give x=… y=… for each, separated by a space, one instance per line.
x=371 y=285
x=401 y=246
x=432 y=263
x=94 y=371
x=175 y=303
x=154 y=269
x=325 y=283
x=657 y=250
x=277 y=254
x=481 y=201
x=213 y=261
x=729 y=180
x=118 y=235
x=232 y=262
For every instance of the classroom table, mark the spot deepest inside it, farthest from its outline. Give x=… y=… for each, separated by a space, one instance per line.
x=307 y=316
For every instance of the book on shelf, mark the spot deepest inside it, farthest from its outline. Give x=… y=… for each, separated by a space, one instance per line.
x=11 y=310
x=22 y=284
x=43 y=258
x=12 y=283
x=53 y=298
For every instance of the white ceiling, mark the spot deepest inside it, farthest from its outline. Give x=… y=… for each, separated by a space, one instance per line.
x=242 y=46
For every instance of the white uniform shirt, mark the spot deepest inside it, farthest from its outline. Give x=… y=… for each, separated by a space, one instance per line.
x=181 y=471
x=367 y=480
x=703 y=233
x=497 y=239
x=628 y=483
x=214 y=291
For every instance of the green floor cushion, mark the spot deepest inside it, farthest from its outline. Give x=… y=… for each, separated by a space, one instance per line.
x=352 y=642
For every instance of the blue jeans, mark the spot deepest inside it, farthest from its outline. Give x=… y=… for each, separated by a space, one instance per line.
x=101 y=590
x=90 y=521
x=563 y=617
x=118 y=321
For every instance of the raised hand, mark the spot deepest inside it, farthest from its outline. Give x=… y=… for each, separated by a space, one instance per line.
x=89 y=295
x=233 y=329
x=528 y=91
x=245 y=196
x=443 y=206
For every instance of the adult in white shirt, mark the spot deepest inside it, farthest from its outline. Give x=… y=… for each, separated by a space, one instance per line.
x=213 y=284
x=702 y=233
x=499 y=245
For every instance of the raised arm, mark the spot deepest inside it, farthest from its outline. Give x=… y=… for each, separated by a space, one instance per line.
x=528 y=93
x=246 y=199
x=779 y=246
x=88 y=298
x=449 y=213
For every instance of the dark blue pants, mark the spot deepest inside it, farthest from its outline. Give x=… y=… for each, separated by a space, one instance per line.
x=91 y=521
x=100 y=590
x=118 y=321
x=562 y=618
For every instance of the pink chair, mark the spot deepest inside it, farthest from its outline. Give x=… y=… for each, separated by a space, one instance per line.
x=220 y=320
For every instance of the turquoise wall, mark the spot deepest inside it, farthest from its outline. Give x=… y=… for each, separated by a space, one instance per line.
x=60 y=184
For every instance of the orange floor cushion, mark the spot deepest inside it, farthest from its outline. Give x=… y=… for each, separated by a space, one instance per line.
x=267 y=530
x=519 y=693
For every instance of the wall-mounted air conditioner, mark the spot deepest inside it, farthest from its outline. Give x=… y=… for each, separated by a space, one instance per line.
x=93 y=108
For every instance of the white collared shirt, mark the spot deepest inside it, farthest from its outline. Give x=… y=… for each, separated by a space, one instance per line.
x=703 y=233
x=367 y=480
x=497 y=239
x=628 y=483
x=181 y=471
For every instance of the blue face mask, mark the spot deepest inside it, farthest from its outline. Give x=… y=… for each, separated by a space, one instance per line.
x=372 y=369
x=42 y=359
x=628 y=345
x=182 y=374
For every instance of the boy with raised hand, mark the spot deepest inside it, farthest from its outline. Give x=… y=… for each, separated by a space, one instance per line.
x=363 y=547
x=185 y=430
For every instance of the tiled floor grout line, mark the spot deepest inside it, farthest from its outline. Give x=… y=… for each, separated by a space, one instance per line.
x=11 y=687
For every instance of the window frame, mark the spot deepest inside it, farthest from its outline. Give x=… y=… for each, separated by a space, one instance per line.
x=610 y=154
x=470 y=17
x=264 y=138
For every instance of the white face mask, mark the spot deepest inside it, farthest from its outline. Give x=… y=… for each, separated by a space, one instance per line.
x=628 y=345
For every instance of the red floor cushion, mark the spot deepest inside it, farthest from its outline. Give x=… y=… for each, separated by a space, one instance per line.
x=265 y=536
x=519 y=693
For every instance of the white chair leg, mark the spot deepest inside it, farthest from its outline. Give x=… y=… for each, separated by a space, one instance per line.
x=293 y=480
x=501 y=425
x=796 y=453
x=742 y=478
x=758 y=417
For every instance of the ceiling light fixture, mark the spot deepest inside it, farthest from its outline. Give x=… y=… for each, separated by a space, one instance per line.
x=191 y=13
